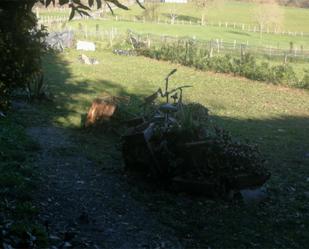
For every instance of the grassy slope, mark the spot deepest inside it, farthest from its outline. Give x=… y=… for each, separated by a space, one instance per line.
x=295 y=19
x=204 y=33
x=274 y=117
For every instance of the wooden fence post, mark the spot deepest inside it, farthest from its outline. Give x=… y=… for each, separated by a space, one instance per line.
x=242 y=50
x=210 y=49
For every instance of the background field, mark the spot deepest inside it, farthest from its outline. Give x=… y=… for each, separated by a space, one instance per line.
x=295 y=19
x=232 y=14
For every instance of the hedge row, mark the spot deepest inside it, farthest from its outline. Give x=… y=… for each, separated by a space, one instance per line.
x=191 y=54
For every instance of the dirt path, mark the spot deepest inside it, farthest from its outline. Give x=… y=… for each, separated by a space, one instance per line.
x=84 y=207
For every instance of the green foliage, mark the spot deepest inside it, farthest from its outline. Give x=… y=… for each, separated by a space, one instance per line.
x=21 y=48
x=191 y=53
x=305 y=81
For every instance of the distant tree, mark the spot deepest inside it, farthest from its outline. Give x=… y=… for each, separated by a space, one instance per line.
x=202 y=6
x=173 y=12
x=268 y=14
x=151 y=12
x=206 y=6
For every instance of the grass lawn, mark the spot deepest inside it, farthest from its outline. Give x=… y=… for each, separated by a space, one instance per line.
x=276 y=118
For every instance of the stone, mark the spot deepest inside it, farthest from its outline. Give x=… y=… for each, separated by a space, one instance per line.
x=253 y=196
x=85 y=45
x=88 y=61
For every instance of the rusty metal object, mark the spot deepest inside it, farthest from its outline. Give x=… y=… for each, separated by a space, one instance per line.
x=100 y=111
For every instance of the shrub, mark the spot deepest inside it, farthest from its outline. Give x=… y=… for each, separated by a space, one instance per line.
x=284 y=74
x=21 y=48
x=305 y=80
x=191 y=53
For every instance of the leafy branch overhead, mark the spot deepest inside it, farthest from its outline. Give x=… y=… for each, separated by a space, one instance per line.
x=78 y=7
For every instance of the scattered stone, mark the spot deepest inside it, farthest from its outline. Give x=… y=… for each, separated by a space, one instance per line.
x=253 y=196
x=67 y=244
x=306 y=193
x=86 y=46
x=2 y=115
x=88 y=61
x=7 y=246
x=54 y=237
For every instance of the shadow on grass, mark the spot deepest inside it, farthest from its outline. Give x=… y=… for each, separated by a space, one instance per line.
x=239 y=33
x=183 y=18
x=201 y=222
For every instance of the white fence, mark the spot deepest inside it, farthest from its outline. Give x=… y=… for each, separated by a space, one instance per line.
x=228 y=25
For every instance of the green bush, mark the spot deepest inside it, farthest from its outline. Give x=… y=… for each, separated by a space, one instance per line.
x=305 y=80
x=191 y=53
x=21 y=48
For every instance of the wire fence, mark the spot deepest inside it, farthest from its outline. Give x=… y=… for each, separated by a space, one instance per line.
x=113 y=36
x=45 y=19
x=217 y=47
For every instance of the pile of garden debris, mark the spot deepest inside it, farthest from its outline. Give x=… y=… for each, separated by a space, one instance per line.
x=177 y=145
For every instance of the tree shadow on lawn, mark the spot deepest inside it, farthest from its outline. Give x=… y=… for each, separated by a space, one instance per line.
x=198 y=221
x=183 y=18
x=238 y=33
